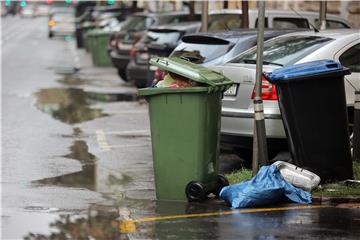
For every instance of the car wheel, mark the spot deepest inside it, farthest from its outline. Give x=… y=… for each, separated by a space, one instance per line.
x=247 y=154
x=140 y=84
x=122 y=74
x=51 y=34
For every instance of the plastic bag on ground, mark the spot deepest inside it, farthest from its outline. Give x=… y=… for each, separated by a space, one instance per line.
x=267 y=187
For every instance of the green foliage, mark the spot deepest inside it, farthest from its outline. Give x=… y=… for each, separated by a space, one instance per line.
x=239 y=176
x=340 y=189
x=326 y=190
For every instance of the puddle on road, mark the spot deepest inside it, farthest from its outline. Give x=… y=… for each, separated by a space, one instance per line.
x=73 y=80
x=99 y=222
x=77 y=133
x=67 y=105
x=76 y=79
x=82 y=179
x=92 y=176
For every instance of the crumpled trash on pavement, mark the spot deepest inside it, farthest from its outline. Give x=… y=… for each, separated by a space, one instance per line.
x=267 y=187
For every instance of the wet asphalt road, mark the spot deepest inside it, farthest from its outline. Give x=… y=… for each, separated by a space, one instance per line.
x=76 y=163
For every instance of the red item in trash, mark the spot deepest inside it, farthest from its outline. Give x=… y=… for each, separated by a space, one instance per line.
x=181 y=84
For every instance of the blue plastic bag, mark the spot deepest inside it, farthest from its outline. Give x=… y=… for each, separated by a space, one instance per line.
x=267 y=187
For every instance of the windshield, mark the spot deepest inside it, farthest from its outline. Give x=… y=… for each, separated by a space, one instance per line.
x=224 y=21
x=137 y=23
x=200 y=53
x=163 y=37
x=284 y=50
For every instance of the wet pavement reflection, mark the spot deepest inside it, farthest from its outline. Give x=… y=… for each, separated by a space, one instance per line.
x=98 y=223
x=68 y=105
x=92 y=176
x=104 y=222
x=83 y=179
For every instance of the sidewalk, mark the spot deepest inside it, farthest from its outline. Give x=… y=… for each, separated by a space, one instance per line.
x=122 y=141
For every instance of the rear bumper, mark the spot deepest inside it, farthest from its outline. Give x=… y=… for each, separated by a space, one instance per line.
x=237 y=129
x=62 y=31
x=140 y=73
x=119 y=61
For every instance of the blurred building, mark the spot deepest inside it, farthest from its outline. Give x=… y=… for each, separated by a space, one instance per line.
x=349 y=10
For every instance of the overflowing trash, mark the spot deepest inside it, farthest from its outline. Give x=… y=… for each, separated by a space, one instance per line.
x=185 y=113
x=172 y=80
x=267 y=187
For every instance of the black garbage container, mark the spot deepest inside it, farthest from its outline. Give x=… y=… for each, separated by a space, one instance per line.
x=313 y=107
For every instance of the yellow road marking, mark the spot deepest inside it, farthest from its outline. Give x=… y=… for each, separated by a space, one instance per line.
x=255 y=210
x=128 y=225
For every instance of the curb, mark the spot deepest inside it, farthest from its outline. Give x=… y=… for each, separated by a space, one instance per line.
x=336 y=200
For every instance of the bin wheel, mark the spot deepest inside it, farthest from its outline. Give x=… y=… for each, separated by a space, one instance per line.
x=222 y=182
x=195 y=191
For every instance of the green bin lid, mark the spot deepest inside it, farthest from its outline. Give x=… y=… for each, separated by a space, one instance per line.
x=214 y=81
x=98 y=32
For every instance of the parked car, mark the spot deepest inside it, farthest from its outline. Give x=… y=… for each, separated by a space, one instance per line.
x=133 y=29
x=214 y=48
x=28 y=11
x=100 y=17
x=42 y=10
x=61 y=23
x=298 y=47
x=158 y=41
x=284 y=19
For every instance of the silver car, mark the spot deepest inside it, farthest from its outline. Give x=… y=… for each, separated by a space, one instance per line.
x=61 y=24
x=285 y=50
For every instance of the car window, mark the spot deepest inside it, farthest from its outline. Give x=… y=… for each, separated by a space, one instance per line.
x=137 y=23
x=332 y=24
x=351 y=58
x=285 y=50
x=266 y=24
x=290 y=23
x=163 y=37
x=224 y=21
x=201 y=52
x=185 y=18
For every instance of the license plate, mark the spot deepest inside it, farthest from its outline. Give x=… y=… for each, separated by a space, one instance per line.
x=232 y=90
x=144 y=56
x=125 y=46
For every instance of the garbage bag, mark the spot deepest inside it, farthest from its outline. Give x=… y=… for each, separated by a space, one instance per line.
x=267 y=187
x=166 y=82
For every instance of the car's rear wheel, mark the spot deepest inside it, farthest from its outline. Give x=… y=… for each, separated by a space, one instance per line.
x=51 y=34
x=246 y=154
x=122 y=74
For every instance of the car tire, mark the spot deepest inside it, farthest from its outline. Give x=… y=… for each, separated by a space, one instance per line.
x=140 y=84
x=122 y=74
x=51 y=35
x=247 y=155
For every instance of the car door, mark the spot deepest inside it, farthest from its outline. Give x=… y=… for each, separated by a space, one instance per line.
x=349 y=56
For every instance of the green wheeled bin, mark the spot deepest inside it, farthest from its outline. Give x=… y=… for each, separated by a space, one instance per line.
x=185 y=128
x=98 y=40
x=86 y=28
